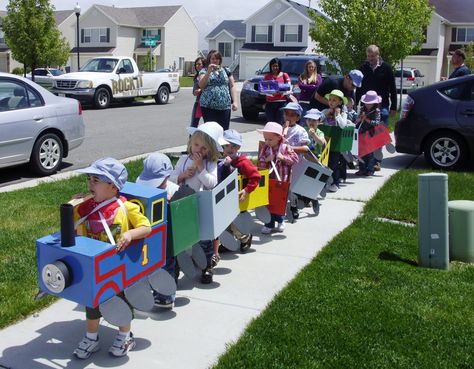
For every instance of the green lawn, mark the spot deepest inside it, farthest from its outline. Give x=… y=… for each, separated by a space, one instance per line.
x=361 y=303
x=186 y=81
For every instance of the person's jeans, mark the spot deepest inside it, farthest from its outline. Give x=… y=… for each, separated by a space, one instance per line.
x=206 y=246
x=220 y=116
x=368 y=164
x=335 y=164
x=273 y=111
x=274 y=218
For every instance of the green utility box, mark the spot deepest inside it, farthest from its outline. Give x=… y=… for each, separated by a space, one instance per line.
x=461 y=230
x=183 y=224
x=341 y=138
x=433 y=239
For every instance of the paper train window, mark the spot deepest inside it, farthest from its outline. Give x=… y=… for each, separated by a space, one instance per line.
x=220 y=195
x=157 y=211
x=324 y=178
x=311 y=172
x=245 y=182
x=230 y=187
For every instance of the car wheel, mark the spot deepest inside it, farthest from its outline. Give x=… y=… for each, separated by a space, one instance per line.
x=162 y=96
x=445 y=150
x=47 y=154
x=250 y=114
x=102 y=98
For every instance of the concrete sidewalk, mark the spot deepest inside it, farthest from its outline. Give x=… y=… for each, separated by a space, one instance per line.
x=206 y=317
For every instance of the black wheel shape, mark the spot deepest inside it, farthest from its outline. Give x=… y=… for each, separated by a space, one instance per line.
x=250 y=114
x=445 y=150
x=162 y=96
x=102 y=98
x=47 y=154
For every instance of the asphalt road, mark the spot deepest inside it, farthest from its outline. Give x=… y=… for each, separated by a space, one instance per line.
x=127 y=130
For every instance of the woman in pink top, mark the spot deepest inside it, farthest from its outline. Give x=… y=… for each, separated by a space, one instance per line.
x=275 y=102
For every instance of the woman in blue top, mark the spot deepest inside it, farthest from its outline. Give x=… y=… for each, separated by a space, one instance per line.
x=217 y=85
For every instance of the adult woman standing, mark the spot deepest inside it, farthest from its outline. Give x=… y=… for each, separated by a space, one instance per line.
x=308 y=82
x=275 y=102
x=218 y=94
x=197 y=113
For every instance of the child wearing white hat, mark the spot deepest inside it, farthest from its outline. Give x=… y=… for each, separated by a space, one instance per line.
x=198 y=170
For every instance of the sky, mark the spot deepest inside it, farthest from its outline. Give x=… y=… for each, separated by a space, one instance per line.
x=207 y=14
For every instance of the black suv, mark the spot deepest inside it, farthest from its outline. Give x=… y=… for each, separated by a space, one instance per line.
x=252 y=102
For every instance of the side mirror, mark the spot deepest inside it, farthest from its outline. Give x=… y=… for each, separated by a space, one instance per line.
x=258 y=71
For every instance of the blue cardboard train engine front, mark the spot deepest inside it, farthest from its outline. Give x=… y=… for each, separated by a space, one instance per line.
x=95 y=270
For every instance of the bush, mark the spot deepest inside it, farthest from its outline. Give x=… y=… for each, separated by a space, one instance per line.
x=18 y=71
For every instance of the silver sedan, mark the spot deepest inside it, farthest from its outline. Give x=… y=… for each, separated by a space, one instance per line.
x=36 y=127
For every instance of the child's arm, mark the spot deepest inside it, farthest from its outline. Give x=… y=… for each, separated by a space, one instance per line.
x=341 y=119
x=261 y=159
x=246 y=168
x=208 y=175
x=138 y=222
x=318 y=136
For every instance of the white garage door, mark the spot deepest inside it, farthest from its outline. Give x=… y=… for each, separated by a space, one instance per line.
x=249 y=64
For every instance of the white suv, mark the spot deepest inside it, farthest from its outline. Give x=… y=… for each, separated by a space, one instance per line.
x=412 y=78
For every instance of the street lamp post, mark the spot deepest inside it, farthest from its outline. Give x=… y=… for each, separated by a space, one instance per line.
x=77 y=10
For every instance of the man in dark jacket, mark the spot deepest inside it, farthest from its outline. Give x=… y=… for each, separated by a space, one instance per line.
x=458 y=61
x=378 y=76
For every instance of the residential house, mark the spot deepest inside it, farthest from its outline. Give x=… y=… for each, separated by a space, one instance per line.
x=228 y=37
x=451 y=27
x=65 y=19
x=109 y=30
x=280 y=27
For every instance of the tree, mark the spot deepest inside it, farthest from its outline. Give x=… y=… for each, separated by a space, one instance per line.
x=149 y=63
x=32 y=35
x=395 y=26
x=469 y=51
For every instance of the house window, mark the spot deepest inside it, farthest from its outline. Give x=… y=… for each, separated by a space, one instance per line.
x=152 y=33
x=225 y=49
x=95 y=35
x=291 y=33
x=261 y=34
x=2 y=37
x=465 y=35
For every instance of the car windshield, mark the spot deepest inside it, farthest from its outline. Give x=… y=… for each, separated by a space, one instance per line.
x=406 y=73
x=100 y=65
x=296 y=67
x=56 y=72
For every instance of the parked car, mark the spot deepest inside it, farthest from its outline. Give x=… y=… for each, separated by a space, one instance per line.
x=412 y=78
x=36 y=126
x=252 y=102
x=438 y=120
x=44 y=76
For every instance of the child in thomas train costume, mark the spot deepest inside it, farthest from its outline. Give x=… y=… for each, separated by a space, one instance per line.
x=335 y=115
x=235 y=160
x=198 y=170
x=369 y=117
x=275 y=152
x=111 y=219
x=298 y=139
x=156 y=171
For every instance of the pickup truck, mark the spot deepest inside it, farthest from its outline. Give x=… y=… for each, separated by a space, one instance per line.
x=104 y=79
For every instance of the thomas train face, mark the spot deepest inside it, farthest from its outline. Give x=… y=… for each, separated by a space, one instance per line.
x=54 y=278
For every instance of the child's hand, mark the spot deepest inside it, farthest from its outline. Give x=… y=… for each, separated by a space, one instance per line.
x=243 y=195
x=227 y=160
x=124 y=241
x=280 y=157
x=337 y=111
x=311 y=131
x=198 y=161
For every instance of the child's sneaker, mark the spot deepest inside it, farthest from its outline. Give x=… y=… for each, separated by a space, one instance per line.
x=86 y=348
x=215 y=260
x=164 y=303
x=315 y=205
x=266 y=230
x=333 y=188
x=122 y=345
x=206 y=276
x=280 y=227
x=244 y=246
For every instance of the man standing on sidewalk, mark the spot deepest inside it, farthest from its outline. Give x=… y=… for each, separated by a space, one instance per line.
x=378 y=76
x=458 y=61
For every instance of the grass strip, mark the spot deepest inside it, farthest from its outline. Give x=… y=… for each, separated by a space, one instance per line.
x=364 y=303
